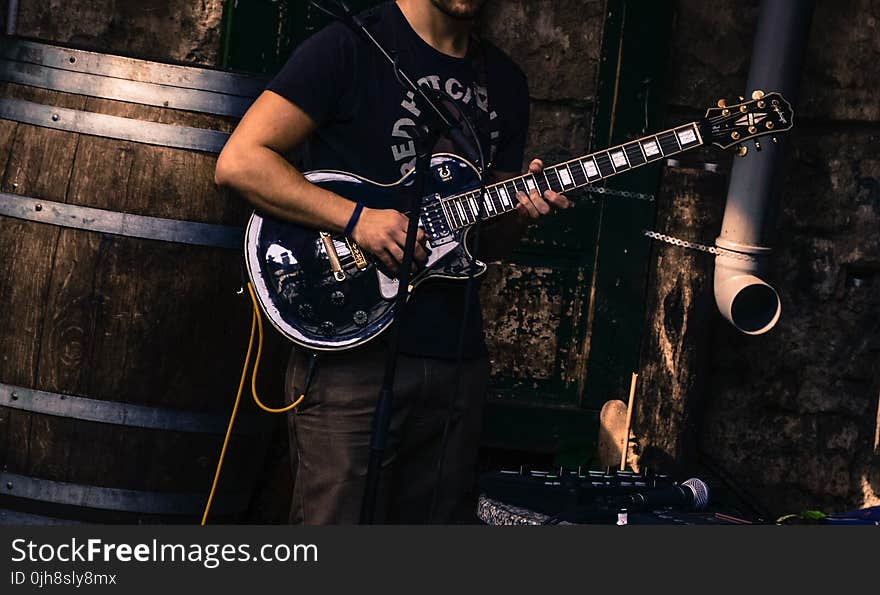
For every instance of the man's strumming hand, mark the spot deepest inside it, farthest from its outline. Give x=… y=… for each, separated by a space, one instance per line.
x=382 y=232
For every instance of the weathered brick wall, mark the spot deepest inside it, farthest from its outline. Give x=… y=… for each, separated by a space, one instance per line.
x=175 y=30
x=792 y=415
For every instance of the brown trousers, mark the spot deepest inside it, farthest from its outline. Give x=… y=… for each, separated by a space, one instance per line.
x=330 y=435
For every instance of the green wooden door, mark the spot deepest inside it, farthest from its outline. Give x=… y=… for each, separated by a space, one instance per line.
x=565 y=314
x=259 y=35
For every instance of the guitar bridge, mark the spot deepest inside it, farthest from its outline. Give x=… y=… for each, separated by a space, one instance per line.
x=330 y=249
x=357 y=254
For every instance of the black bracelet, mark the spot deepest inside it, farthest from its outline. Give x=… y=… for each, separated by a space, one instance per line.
x=355 y=215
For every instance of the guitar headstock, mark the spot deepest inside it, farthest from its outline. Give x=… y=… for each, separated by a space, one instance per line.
x=730 y=125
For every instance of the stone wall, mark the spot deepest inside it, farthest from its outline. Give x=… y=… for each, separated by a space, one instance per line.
x=792 y=416
x=556 y=43
x=164 y=30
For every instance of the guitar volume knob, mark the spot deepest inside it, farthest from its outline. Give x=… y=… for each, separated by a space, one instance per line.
x=338 y=298
x=306 y=311
x=327 y=328
x=360 y=318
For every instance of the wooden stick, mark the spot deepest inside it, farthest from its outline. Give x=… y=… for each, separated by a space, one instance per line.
x=877 y=432
x=629 y=411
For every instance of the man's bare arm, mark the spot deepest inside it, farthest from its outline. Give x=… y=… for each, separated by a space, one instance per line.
x=253 y=164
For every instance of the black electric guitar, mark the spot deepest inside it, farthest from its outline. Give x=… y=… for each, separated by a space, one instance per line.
x=323 y=292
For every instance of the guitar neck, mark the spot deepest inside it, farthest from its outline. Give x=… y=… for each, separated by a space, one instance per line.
x=461 y=210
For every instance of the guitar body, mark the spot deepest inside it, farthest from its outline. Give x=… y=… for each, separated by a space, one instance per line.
x=315 y=306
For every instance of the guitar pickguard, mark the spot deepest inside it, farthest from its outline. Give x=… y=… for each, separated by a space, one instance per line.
x=435 y=266
x=387 y=285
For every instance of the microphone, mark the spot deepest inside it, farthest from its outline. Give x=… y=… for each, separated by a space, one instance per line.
x=692 y=494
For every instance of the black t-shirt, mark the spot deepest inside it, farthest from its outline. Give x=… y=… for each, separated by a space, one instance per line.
x=350 y=90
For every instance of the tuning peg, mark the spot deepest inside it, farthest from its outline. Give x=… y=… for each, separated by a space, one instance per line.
x=757 y=145
x=741 y=98
x=740 y=150
x=722 y=103
x=757 y=94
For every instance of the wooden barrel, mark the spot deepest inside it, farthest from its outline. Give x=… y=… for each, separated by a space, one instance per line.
x=122 y=324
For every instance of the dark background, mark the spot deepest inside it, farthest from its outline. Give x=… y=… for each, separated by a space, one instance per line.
x=791 y=417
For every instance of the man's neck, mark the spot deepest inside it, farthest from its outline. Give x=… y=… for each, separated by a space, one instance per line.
x=440 y=31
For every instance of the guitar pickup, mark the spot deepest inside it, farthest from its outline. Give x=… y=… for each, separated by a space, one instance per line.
x=333 y=256
x=357 y=254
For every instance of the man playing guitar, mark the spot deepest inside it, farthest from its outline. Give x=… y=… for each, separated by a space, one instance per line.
x=339 y=98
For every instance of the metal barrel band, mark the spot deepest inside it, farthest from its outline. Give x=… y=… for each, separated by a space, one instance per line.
x=95 y=85
x=132 y=69
x=95 y=124
x=697 y=246
x=116 y=499
x=121 y=224
x=14 y=517
x=122 y=414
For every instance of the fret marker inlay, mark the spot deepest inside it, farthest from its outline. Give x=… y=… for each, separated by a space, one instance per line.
x=650 y=148
x=685 y=137
x=505 y=198
x=474 y=207
x=565 y=177
x=591 y=169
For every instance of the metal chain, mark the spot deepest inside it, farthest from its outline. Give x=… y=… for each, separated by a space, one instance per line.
x=619 y=193
x=663 y=237
x=695 y=246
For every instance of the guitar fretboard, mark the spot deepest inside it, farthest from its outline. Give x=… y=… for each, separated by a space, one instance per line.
x=461 y=210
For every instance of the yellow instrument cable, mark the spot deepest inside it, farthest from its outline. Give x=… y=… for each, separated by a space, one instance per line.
x=256 y=325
